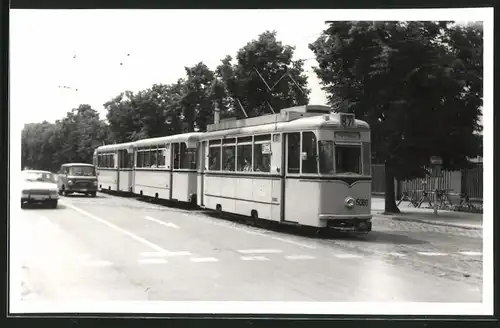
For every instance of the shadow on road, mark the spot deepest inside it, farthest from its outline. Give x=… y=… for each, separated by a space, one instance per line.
x=42 y=207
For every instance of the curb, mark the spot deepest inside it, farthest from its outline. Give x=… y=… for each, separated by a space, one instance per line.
x=442 y=224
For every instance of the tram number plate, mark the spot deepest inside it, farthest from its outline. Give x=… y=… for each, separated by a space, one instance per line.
x=362 y=202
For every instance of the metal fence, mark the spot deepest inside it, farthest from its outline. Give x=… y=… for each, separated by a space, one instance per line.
x=466 y=181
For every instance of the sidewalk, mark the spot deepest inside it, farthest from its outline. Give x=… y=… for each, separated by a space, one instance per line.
x=472 y=221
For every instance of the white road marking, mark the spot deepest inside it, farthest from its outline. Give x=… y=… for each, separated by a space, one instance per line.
x=204 y=259
x=432 y=254
x=152 y=261
x=471 y=253
x=153 y=254
x=260 y=251
x=347 y=256
x=300 y=257
x=254 y=258
x=112 y=226
x=166 y=224
x=250 y=232
x=179 y=253
x=97 y=263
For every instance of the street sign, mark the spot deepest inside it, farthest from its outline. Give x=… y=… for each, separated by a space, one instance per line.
x=436 y=160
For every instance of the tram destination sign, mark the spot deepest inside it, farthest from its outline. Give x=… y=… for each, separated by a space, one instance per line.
x=346 y=136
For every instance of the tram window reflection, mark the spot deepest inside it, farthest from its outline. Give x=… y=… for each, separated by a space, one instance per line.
x=214 y=158
x=310 y=163
x=326 y=160
x=245 y=157
x=348 y=159
x=293 y=145
x=262 y=157
x=229 y=157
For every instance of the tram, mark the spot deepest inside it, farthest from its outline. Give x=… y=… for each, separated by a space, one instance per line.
x=165 y=167
x=115 y=167
x=303 y=166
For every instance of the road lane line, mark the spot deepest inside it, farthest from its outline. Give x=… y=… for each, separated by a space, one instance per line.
x=347 y=256
x=300 y=257
x=152 y=261
x=432 y=254
x=250 y=232
x=260 y=251
x=254 y=258
x=166 y=224
x=153 y=254
x=179 y=253
x=204 y=259
x=112 y=226
x=471 y=253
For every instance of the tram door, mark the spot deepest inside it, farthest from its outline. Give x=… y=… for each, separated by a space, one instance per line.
x=290 y=167
x=202 y=151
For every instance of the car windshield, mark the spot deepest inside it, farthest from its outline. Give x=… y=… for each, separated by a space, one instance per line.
x=39 y=177
x=86 y=171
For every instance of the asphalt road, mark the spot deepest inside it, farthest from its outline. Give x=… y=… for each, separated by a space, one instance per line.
x=114 y=248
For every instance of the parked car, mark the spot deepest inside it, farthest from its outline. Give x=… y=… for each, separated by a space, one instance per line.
x=39 y=187
x=77 y=178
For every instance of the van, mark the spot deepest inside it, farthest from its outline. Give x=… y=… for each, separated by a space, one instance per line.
x=77 y=178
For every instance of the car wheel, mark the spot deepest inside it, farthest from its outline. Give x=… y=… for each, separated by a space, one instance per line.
x=23 y=204
x=52 y=204
x=93 y=194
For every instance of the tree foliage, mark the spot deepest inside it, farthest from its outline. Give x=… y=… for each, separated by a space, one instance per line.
x=269 y=58
x=73 y=139
x=418 y=84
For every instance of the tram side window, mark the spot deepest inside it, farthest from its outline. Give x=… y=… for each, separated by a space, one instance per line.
x=99 y=161
x=309 y=163
x=326 y=157
x=176 y=154
x=262 y=157
x=130 y=160
x=106 y=161
x=160 y=154
x=152 y=156
x=146 y=160
x=140 y=156
x=367 y=154
x=293 y=145
x=348 y=159
x=229 y=155
x=188 y=157
x=244 y=154
x=111 y=161
x=214 y=155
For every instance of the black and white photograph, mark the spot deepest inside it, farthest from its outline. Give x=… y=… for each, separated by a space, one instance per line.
x=251 y=161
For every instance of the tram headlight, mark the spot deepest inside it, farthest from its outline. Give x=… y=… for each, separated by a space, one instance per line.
x=349 y=202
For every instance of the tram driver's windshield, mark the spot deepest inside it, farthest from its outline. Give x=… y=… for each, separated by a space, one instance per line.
x=348 y=159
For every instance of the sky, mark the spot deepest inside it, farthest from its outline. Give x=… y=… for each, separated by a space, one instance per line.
x=160 y=43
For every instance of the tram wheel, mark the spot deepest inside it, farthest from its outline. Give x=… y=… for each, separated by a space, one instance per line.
x=218 y=209
x=255 y=217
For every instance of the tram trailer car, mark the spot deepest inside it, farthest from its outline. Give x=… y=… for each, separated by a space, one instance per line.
x=115 y=166
x=303 y=166
x=166 y=167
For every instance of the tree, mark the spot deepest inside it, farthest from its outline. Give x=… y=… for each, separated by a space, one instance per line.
x=264 y=61
x=418 y=85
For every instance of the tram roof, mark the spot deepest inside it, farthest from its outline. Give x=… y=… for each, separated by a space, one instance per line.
x=114 y=147
x=185 y=137
x=331 y=120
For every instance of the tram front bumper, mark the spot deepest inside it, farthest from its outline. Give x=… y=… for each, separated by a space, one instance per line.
x=357 y=223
